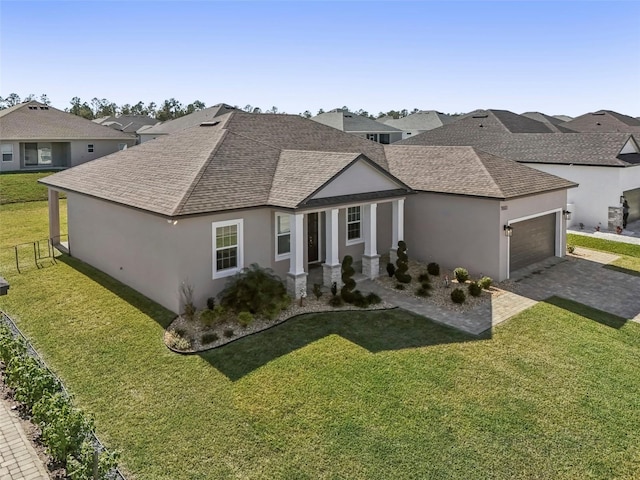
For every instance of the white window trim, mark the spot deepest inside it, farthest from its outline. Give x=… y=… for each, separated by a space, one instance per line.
x=281 y=256
x=3 y=153
x=353 y=241
x=229 y=271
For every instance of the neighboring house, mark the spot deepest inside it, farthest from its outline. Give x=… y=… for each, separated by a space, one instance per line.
x=291 y=194
x=564 y=118
x=605 y=165
x=146 y=133
x=365 y=127
x=127 y=123
x=496 y=121
x=34 y=136
x=418 y=122
x=604 y=121
x=553 y=123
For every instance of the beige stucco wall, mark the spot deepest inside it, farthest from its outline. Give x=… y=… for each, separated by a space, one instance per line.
x=78 y=152
x=522 y=208
x=454 y=231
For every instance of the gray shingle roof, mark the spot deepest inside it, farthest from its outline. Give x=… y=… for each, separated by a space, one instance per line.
x=352 y=123
x=553 y=123
x=604 y=121
x=191 y=120
x=126 y=123
x=36 y=121
x=252 y=160
x=423 y=120
x=598 y=149
x=499 y=121
x=468 y=171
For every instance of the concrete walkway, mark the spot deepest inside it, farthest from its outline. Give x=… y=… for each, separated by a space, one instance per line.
x=631 y=234
x=580 y=277
x=18 y=458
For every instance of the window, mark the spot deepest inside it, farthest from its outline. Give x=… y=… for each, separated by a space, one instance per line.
x=354 y=225
x=384 y=138
x=283 y=236
x=227 y=248
x=372 y=136
x=38 y=154
x=90 y=148
x=7 y=152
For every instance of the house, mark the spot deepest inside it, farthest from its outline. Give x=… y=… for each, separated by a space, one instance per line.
x=496 y=121
x=418 y=122
x=35 y=136
x=365 y=127
x=127 y=123
x=553 y=123
x=292 y=194
x=605 y=165
x=604 y=121
x=150 y=132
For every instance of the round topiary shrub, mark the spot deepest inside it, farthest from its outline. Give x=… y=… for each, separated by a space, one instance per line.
x=461 y=274
x=349 y=284
x=402 y=263
x=458 y=296
x=474 y=289
x=245 y=319
x=485 y=283
x=424 y=290
x=256 y=290
x=433 y=269
x=373 y=299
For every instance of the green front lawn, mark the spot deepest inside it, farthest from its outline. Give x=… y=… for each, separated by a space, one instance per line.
x=554 y=393
x=629 y=261
x=22 y=187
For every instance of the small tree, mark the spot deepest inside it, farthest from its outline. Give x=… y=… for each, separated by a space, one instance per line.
x=346 y=292
x=402 y=264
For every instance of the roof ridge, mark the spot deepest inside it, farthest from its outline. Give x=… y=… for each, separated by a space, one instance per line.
x=476 y=151
x=198 y=176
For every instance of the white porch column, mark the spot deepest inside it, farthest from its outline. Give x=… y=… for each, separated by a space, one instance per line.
x=331 y=268
x=297 y=277
x=397 y=228
x=370 y=259
x=54 y=216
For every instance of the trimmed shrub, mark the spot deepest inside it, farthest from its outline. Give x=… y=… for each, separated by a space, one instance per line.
x=571 y=248
x=359 y=300
x=485 y=283
x=402 y=263
x=391 y=269
x=349 y=284
x=424 y=277
x=424 y=290
x=317 y=290
x=245 y=319
x=209 y=338
x=228 y=332
x=399 y=286
x=177 y=341
x=256 y=290
x=373 y=299
x=336 y=301
x=461 y=274
x=474 y=289
x=211 y=302
x=433 y=269
x=209 y=318
x=458 y=296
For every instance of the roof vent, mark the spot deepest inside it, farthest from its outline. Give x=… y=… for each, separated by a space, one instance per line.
x=598 y=123
x=480 y=116
x=33 y=107
x=209 y=124
x=598 y=113
x=44 y=108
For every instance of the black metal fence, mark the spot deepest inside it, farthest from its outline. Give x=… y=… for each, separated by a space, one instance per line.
x=98 y=446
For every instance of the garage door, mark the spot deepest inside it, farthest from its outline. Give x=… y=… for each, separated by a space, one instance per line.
x=532 y=241
x=633 y=197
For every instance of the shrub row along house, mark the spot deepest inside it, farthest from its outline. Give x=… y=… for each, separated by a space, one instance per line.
x=289 y=193
x=600 y=151
x=35 y=136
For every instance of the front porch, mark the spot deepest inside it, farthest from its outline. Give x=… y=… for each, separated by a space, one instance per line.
x=360 y=231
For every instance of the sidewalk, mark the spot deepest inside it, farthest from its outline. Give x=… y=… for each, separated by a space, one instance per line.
x=18 y=458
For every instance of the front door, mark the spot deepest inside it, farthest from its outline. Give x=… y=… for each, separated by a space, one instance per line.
x=313 y=247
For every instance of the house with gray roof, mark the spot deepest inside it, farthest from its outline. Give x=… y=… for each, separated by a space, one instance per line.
x=359 y=125
x=127 y=123
x=553 y=123
x=35 y=136
x=418 y=122
x=150 y=132
x=604 y=121
x=605 y=165
x=292 y=194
